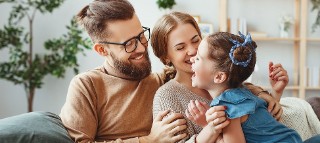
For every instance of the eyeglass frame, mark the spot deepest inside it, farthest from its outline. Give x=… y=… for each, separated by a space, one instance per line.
x=137 y=38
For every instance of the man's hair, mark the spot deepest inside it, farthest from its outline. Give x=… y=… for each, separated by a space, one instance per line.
x=96 y=16
x=219 y=45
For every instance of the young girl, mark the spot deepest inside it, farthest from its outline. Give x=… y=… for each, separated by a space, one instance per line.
x=222 y=63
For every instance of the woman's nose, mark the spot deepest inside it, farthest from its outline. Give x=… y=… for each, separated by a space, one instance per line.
x=192 y=51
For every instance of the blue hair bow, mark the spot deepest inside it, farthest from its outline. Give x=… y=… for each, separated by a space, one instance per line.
x=247 y=40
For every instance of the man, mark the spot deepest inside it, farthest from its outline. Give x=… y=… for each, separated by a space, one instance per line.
x=113 y=102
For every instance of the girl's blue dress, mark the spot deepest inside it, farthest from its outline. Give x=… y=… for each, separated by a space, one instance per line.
x=260 y=127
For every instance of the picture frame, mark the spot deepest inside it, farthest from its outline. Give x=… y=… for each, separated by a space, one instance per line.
x=206 y=29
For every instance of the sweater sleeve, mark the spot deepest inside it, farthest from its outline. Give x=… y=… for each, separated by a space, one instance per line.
x=79 y=113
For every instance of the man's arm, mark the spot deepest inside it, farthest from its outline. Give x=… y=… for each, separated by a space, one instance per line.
x=79 y=114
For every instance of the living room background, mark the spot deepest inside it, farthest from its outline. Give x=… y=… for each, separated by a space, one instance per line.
x=259 y=15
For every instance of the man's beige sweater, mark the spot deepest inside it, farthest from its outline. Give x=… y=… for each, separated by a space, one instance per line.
x=101 y=107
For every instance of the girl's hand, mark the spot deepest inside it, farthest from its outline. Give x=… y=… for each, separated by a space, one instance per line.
x=217 y=120
x=216 y=117
x=196 y=112
x=278 y=78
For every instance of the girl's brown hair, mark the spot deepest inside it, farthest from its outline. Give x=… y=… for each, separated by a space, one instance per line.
x=161 y=30
x=220 y=45
x=95 y=16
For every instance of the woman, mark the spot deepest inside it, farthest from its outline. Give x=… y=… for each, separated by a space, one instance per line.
x=175 y=39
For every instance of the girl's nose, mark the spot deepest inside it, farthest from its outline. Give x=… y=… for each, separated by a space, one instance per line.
x=192 y=59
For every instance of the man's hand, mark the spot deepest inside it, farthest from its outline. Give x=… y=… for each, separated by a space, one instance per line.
x=196 y=112
x=164 y=129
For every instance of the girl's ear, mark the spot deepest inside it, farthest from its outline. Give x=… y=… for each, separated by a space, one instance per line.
x=220 y=77
x=100 y=49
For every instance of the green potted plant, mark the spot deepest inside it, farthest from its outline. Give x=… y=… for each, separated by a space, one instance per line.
x=24 y=66
x=316 y=7
x=166 y=4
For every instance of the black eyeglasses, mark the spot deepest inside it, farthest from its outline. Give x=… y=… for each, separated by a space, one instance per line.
x=131 y=44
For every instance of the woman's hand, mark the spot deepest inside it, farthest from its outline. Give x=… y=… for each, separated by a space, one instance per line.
x=196 y=112
x=278 y=78
x=274 y=106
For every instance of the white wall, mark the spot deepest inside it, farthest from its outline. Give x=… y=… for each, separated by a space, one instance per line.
x=52 y=95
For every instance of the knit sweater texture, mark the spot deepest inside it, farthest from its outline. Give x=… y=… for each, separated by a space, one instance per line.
x=175 y=97
x=299 y=115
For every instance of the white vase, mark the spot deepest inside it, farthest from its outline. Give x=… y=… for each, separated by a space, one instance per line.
x=166 y=11
x=283 y=33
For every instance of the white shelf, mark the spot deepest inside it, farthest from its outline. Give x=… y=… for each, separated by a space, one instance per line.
x=275 y=39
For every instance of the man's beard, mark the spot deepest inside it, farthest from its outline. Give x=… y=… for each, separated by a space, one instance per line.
x=139 y=71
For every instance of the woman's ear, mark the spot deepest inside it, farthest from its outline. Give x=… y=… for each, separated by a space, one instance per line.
x=100 y=49
x=220 y=77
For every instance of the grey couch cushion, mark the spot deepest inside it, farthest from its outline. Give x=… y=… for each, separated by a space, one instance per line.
x=315 y=104
x=33 y=127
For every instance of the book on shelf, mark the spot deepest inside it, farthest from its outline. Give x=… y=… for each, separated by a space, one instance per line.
x=256 y=34
x=237 y=24
x=312 y=77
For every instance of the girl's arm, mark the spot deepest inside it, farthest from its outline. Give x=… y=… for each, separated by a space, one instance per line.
x=233 y=132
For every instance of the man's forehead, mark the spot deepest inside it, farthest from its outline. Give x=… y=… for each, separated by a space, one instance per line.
x=125 y=29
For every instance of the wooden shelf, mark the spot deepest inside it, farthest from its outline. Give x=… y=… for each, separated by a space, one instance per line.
x=287 y=88
x=312 y=88
x=299 y=41
x=274 y=39
x=313 y=39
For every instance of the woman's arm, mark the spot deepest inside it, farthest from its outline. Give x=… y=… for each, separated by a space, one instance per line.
x=278 y=78
x=274 y=106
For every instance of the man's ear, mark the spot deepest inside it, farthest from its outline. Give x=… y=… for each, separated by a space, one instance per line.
x=100 y=49
x=220 y=77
